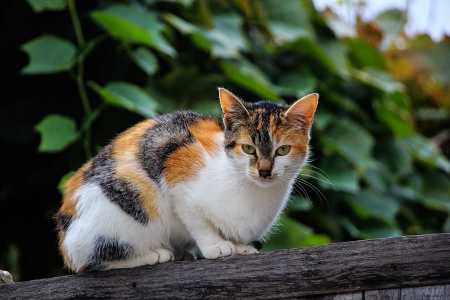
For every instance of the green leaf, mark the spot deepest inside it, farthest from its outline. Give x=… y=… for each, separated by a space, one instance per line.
x=436 y=191
x=57 y=132
x=287 y=22
x=198 y=35
x=379 y=231
x=134 y=24
x=340 y=173
x=296 y=83
x=313 y=54
x=371 y=231
x=394 y=110
x=225 y=40
x=248 y=76
x=391 y=22
x=322 y=119
x=339 y=26
x=128 y=96
x=49 y=54
x=391 y=153
x=146 y=60
x=370 y=204
x=42 y=5
x=426 y=152
x=292 y=234
x=350 y=140
x=378 y=79
x=362 y=55
x=180 y=24
x=337 y=53
x=378 y=178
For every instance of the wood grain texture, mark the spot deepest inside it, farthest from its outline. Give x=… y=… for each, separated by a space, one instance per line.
x=341 y=268
x=351 y=296
x=389 y=294
x=437 y=292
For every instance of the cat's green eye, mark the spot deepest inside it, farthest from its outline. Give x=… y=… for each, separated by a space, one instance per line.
x=283 y=150
x=248 y=149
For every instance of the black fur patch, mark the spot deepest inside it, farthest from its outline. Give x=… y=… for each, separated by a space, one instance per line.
x=170 y=133
x=230 y=145
x=63 y=221
x=117 y=191
x=257 y=244
x=107 y=249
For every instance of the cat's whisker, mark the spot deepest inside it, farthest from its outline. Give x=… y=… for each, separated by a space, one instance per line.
x=303 y=192
x=317 y=168
x=315 y=189
x=299 y=189
x=321 y=180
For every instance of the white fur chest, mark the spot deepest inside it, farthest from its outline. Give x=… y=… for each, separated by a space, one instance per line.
x=241 y=210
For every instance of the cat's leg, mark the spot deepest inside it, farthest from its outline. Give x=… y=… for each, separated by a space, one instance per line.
x=156 y=256
x=245 y=249
x=205 y=235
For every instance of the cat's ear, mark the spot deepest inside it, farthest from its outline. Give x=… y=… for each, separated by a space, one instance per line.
x=232 y=107
x=303 y=110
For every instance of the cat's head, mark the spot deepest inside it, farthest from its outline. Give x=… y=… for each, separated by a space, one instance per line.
x=269 y=140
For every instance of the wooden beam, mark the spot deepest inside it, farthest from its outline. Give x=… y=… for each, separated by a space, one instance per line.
x=352 y=267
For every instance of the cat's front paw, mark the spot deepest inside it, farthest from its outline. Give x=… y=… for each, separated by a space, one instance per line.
x=224 y=248
x=164 y=255
x=158 y=256
x=245 y=249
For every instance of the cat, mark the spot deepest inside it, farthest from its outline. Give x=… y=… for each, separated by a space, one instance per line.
x=185 y=182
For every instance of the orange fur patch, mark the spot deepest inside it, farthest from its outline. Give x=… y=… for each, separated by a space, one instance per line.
x=68 y=207
x=63 y=250
x=71 y=187
x=184 y=164
x=298 y=141
x=128 y=168
x=206 y=132
x=127 y=141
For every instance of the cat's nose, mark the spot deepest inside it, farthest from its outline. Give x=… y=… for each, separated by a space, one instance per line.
x=264 y=173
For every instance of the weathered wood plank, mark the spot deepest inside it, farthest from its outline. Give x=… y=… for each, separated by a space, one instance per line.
x=340 y=268
x=434 y=292
x=438 y=292
x=388 y=294
x=351 y=296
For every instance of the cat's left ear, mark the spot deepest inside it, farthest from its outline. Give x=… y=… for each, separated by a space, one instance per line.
x=232 y=107
x=303 y=110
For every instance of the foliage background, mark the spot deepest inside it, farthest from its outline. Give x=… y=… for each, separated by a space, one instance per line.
x=76 y=73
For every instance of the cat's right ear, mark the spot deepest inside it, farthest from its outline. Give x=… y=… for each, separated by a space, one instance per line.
x=232 y=107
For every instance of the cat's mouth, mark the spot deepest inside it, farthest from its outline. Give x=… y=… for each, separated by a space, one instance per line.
x=265 y=181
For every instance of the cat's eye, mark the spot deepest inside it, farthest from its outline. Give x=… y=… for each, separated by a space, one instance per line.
x=283 y=150
x=248 y=149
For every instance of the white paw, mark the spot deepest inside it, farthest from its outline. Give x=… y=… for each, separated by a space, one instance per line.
x=150 y=258
x=224 y=248
x=245 y=249
x=157 y=256
x=164 y=255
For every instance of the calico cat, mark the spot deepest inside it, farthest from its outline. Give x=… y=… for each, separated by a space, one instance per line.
x=183 y=182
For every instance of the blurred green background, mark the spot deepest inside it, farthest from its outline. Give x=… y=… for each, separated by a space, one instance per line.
x=76 y=73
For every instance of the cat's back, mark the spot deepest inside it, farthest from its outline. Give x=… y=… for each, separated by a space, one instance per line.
x=166 y=150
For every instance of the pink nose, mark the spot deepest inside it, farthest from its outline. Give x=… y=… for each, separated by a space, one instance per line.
x=264 y=173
